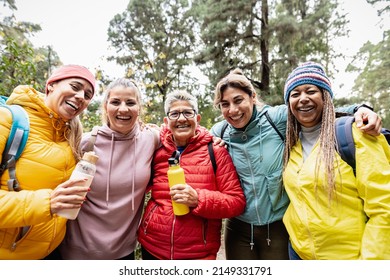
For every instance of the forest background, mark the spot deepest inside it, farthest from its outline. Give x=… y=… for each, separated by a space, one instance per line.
x=166 y=45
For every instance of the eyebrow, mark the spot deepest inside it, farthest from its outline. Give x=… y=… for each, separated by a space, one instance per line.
x=234 y=98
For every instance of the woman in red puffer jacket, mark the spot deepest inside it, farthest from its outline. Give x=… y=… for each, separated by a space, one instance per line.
x=210 y=196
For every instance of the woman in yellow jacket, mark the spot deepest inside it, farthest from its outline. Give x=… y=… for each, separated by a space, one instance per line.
x=332 y=214
x=29 y=226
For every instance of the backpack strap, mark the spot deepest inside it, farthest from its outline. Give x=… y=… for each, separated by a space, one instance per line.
x=225 y=125
x=16 y=143
x=386 y=133
x=344 y=139
x=273 y=125
x=92 y=139
x=212 y=156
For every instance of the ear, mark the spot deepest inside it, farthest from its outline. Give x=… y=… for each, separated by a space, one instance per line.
x=198 y=118
x=166 y=120
x=50 y=88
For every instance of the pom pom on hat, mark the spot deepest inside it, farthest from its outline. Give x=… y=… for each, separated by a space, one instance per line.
x=71 y=71
x=307 y=73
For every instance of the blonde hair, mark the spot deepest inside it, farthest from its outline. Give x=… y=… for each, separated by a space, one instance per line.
x=327 y=140
x=123 y=82
x=73 y=134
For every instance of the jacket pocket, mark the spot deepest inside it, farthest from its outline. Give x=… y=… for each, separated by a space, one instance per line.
x=277 y=195
x=205 y=226
x=148 y=217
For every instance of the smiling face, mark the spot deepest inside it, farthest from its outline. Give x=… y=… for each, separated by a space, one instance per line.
x=69 y=97
x=182 y=128
x=306 y=104
x=122 y=108
x=237 y=106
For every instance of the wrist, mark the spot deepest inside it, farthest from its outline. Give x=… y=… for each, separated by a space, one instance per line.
x=362 y=105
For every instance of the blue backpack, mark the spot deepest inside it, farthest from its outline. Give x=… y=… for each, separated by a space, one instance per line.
x=346 y=145
x=16 y=142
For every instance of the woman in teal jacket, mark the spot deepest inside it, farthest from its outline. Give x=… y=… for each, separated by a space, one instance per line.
x=254 y=133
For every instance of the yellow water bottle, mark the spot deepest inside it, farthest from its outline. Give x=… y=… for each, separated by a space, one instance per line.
x=176 y=176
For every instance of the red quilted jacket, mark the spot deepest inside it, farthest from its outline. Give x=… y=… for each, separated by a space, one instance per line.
x=196 y=235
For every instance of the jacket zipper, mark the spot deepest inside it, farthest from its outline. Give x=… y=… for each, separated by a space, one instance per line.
x=172 y=239
x=19 y=236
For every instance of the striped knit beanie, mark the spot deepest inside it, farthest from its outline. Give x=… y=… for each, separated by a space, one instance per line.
x=307 y=73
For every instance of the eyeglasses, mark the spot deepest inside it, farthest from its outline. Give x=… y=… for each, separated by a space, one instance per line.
x=175 y=115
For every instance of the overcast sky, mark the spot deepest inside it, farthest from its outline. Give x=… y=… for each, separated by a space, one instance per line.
x=77 y=31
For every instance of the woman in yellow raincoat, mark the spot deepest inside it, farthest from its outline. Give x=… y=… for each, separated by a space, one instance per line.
x=333 y=214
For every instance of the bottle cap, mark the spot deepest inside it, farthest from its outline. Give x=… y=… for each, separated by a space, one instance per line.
x=90 y=157
x=174 y=159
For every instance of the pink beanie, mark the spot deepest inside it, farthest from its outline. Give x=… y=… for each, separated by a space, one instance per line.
x=71 y=71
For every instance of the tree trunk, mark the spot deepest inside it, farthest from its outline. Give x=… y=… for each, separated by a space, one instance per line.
x=264 y=43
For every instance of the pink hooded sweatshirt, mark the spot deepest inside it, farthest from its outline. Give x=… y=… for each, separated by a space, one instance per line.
x=107 y=222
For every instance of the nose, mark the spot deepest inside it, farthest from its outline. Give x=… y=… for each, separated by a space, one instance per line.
x=304 y=97
x=232 y=108
x=122 y=106
x=80 y=94
x=181 y=115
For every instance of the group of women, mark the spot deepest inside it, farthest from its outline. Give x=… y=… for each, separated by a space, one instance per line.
x=320 y=210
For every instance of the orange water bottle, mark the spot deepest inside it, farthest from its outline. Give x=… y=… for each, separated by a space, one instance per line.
x=176 y=176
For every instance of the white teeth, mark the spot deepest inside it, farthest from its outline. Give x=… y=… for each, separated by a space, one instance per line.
x=305 y=109
x=123 y=118
x=73 y=105
x=182 y=126
x=235 y=118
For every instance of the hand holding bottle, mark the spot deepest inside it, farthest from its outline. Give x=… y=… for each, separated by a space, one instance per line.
x=83 y=176
x=184 y=194
x=176 y=177
x=68 y=195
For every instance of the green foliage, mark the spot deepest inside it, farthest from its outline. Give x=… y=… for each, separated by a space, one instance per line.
x=384 y=6
x=20 y=63
x=16 y=65
x=9 y=3
x=230 y=32
x=373 y=83
x=92 y=116
x=154 y=40
x=246 y=34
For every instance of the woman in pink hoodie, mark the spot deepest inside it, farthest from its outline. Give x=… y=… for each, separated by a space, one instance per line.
x=107 y=223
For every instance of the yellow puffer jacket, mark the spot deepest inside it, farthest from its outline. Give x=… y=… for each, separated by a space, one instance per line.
x=356 y=224
x=46 y=162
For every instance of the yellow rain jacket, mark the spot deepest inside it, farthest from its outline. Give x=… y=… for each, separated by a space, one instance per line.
x=46 y=162
x=353 y=225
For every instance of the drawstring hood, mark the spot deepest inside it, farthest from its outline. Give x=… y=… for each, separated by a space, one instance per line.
x=113 y=137
x=109 y=169
x=115 y=202
x=133 y=178
x=252 y=243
